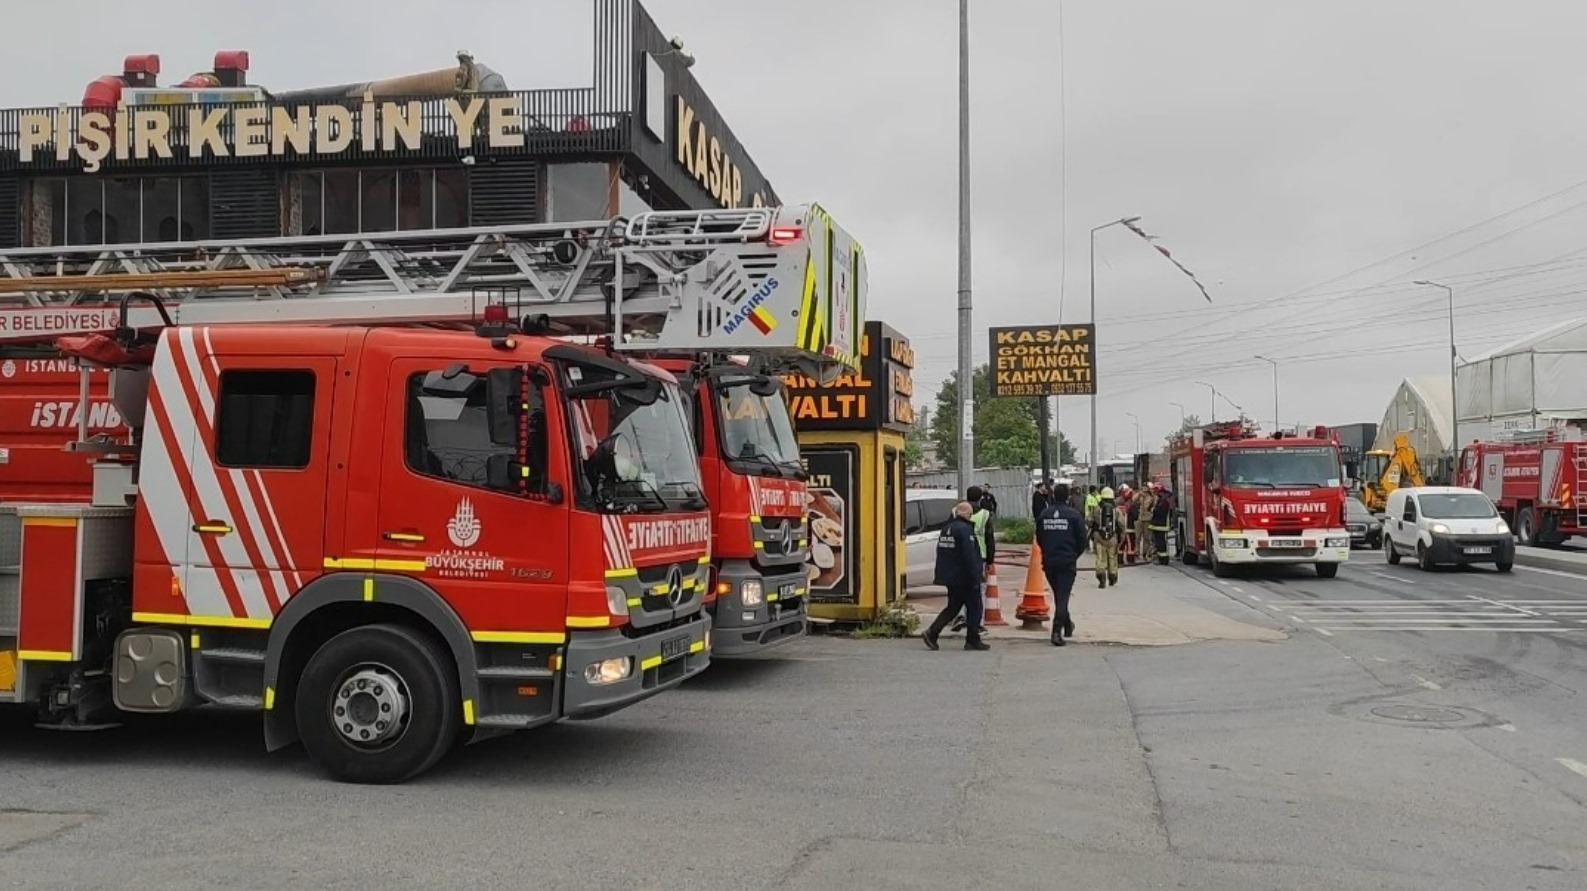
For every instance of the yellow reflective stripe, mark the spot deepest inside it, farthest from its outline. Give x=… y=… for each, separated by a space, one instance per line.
x=270 y=698
x=697 y=646
x=556 y=661
x=364 y=563
x=650 y=663
x=621 y=573
x=589 y=621
x=45 y=655
x=468 y=712
x=754 y=520
x=771 y=598
x=204 y=621
x=636 y=601
x=760 y=546
x=706 y=560
x=61 y=522
x=529 y=637
x=194 y=640
x=213 y=528
x=807 y=315
x=369 y=588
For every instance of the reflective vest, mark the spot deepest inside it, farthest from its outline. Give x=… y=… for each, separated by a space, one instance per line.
x=978 y=521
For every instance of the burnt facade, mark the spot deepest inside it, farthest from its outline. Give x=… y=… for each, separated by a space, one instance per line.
x=215 y=158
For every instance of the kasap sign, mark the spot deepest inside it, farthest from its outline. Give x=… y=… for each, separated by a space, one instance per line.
x=1044 y=360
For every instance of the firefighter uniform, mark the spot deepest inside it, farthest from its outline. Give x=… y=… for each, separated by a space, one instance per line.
x=1107 y=522
x=1162 y=515
x=1145 y=547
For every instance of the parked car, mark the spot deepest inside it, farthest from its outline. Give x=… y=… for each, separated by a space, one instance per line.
x=1446 y=524
x=926 y=511
x=1366 y=531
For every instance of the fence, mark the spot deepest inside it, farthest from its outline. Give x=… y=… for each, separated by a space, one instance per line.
x=1010 y=486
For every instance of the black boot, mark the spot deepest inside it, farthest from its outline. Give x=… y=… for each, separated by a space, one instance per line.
x=1113 y=581
x=977 y=644
x=1069 y=627
x=1102 y=581
x=929 y=638
x=1057 y=636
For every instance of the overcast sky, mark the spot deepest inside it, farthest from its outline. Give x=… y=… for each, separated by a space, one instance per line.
x=1282 y=151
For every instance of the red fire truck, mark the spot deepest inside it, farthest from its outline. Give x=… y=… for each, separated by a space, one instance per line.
x=1249 y=499
x=1536 y=478
x=378 y=592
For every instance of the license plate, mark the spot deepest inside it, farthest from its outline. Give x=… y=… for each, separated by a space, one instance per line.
x=787 y=591
x=674 y=648
x=1286 y=543
x=1477 y=550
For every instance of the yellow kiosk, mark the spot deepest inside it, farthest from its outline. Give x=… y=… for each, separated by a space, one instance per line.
x=851 y=440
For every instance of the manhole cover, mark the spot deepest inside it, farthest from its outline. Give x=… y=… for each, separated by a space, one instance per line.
x=1415 y=714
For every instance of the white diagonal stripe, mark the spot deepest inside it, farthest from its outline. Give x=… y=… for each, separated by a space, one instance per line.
x=205 y=480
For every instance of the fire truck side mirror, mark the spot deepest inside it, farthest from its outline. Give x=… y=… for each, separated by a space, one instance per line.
x=504 y=398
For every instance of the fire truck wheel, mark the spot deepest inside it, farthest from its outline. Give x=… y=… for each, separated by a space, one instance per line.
x=377 y=705
x=1526 y=527
x=1327 y=570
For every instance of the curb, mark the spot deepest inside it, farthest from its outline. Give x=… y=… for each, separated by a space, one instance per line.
x=1559 y=563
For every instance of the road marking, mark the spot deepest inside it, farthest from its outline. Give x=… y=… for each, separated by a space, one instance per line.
x=1325 y=633
x=1572 y=765
x=1535 y=629
x=1518 y=609
x=1425 y=683
x=1507 y=727
x=1560 y=573
x=1254 y=597
x=1238 y=590
x=1380 y=658
x=1394 y=578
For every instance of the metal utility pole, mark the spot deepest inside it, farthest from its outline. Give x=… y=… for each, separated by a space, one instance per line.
x=1094 y=472
x=1137 y=419
x=966 y=373
x=1454 y=411
x=1181 y=408
x=1046 y=440
x=1274 y=363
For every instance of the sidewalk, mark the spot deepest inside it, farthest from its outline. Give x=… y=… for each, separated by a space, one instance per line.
x=1557 y=559
x=1152 y=606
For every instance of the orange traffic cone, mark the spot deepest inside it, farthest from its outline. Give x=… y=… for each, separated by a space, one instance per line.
x=994 y=600
x=1032 y=609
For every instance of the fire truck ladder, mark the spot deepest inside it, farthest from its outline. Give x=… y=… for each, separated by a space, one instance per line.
x=741 y=281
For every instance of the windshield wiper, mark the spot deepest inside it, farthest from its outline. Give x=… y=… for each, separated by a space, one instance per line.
x=645 y=489
x=753 y=453
x=695 y=494
x=1262 y=483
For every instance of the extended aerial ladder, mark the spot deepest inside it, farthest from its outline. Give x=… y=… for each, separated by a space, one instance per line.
x=786 y=285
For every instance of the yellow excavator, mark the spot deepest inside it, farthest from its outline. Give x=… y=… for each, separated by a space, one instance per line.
x=1382 y=472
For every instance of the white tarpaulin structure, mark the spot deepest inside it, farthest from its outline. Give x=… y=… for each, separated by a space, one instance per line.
x=1420 y=410
x=1537 y=381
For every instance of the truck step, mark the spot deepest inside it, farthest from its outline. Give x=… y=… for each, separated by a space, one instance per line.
x=508 y=722
x=237 y=655
x=238 y=701
x=515 y=673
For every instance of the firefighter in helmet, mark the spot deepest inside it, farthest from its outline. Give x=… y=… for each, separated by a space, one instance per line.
x=1107 y=522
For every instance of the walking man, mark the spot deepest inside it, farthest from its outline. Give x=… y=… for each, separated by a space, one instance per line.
x=960 y=570
x=1061 y=534
x=983 y=508
x=1107 y=524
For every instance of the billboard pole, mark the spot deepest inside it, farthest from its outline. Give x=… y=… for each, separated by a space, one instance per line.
x=966 y=460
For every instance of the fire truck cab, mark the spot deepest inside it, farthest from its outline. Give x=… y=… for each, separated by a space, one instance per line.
x=1249 y=499
x=1537 y=479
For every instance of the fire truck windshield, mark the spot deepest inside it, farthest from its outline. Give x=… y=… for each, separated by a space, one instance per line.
x=1280 y=466
x=756 y=427
x=635 y=453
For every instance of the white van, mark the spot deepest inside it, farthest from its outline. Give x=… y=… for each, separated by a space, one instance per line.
x=1446 y=524
x=926 y=511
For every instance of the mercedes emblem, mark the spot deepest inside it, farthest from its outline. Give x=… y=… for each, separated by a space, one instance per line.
x=675 y=586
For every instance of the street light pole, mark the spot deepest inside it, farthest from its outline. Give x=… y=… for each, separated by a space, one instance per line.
x=1214 y=397
x=1094 y=471
x=1454 y=411
x=1137 y=419
x=1274 y=363
x=1181 y=414
x=966 y=373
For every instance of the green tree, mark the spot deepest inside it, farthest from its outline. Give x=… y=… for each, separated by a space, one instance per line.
x=1190 y=423
x=919 y=434
x=1005 y=429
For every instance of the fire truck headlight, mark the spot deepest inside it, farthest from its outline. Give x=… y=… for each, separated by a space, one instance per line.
x=616 y=601
x=1439 y=529
x=1343 y=542
x=609 y=671
x=1231 y=542
x=751 y=592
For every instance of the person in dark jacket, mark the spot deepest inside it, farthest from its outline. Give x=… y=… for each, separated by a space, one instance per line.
x=1039 y=498
x=983 y=509
x=960 y=570
x=1061 y=535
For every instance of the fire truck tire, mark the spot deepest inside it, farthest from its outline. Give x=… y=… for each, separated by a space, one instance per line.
x=1219 y=569
x=1327 y=570
x=1526 y=527
x=378 y=705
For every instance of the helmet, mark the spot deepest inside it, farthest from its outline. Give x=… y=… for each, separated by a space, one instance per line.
x=1107 y=493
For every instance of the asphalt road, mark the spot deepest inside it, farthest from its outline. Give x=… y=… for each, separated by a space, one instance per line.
x=1362 y=752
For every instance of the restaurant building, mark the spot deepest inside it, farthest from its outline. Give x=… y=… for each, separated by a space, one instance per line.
x=216 y=157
